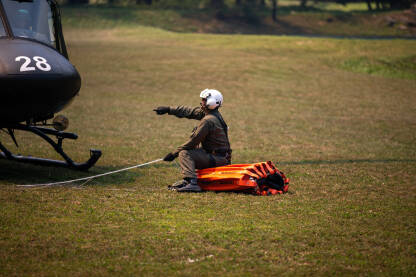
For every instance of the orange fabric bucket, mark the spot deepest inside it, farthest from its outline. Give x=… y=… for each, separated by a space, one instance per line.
x=259 y=178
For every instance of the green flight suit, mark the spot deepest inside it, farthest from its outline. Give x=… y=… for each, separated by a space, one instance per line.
x=208 y=145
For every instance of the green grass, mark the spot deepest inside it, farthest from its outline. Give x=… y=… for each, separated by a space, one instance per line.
x=344 y=137
x=404 y=67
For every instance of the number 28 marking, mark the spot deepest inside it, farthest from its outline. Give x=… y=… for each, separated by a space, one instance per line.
x=40 y=62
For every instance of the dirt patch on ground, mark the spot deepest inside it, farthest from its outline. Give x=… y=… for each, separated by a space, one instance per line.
x=405 y=20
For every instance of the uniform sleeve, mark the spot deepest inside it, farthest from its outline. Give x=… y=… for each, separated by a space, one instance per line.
x=196 y=138
x=187 y=112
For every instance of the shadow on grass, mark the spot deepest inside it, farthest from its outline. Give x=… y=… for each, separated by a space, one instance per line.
x=347 y=161
x=14 y=173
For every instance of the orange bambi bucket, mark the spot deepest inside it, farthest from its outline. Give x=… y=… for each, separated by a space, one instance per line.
x=258 y=178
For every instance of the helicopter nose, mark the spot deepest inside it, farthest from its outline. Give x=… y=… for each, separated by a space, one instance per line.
x=36 y=81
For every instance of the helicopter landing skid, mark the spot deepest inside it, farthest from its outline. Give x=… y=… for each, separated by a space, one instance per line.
x=43 y=133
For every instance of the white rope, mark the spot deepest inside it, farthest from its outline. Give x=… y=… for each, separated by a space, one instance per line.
x=90 y=177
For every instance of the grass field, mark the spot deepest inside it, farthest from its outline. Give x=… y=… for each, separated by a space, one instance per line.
x=337 y=116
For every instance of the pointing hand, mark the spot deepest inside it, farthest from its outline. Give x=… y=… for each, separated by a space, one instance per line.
x=161 y=110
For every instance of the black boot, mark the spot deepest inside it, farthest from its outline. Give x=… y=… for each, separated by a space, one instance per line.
x=177 y=185
x=191 y=186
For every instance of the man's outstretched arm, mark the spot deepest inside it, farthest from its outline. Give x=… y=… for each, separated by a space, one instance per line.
x=181 y=112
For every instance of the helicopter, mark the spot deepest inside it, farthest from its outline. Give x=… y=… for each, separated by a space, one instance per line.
x=36 y=79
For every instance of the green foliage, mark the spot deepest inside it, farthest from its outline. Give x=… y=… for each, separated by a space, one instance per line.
x=404 y=67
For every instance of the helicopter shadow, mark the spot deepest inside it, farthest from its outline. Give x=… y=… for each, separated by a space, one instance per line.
x=13 y=173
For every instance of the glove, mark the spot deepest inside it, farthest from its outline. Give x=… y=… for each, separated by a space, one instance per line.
x=161 y=110
x=169 y=157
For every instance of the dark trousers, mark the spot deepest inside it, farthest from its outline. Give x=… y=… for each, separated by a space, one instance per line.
x=189 y=160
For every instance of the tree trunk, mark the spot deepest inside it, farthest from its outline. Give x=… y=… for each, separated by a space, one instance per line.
x=369 y=5
x=147 y=2
x=303 y=3
x=274 y=10
x=217 y=4
x=71 y=2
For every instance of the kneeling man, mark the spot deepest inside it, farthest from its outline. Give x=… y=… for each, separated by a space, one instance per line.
x=208 y=145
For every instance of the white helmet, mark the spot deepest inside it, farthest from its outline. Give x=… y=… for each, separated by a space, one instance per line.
x=213 y=97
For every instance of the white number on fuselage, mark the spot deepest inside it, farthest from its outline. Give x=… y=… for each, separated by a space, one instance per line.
x=41 y=63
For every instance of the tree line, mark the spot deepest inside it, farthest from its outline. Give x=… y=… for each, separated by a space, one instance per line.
x=221 y=7
x=371 y=4
x=378 y=4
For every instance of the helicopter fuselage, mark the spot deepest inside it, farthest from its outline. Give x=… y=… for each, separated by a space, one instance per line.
x=36 y=78
x=36 y=81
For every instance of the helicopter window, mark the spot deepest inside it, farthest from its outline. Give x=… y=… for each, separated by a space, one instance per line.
x=31 y=19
